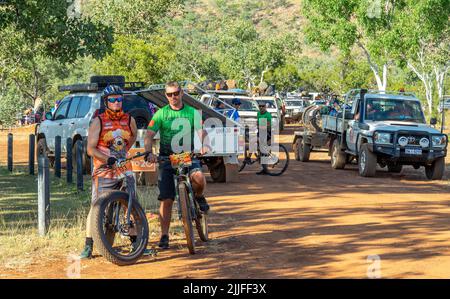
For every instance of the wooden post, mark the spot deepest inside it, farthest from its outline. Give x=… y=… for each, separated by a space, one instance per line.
x=79 y=149
x=43 y=195
x=58 y=156
x=31 y=153
x=10 y=152
x=69 y=166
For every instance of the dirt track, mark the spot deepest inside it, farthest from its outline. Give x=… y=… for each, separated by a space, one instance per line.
x=313 y=222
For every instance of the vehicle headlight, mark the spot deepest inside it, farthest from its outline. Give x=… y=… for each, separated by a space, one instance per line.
x=403 y=141
x=382 y=138
x=424 y=142
x=439 y=140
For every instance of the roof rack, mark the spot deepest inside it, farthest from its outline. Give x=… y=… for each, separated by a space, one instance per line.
x=93 y=87
x=374 y=91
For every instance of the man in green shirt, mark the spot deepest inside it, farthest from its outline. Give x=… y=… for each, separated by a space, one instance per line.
x=177 y=124
x=264 y=121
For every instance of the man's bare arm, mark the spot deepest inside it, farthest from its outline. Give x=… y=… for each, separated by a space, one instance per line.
x=148 y=140
x=93 y=136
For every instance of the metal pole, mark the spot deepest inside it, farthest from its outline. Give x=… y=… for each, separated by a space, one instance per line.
x=10 y=152
x=69 y=166
x=58 y=156
x=43 y=195
x=31 y=153
x=79 y=155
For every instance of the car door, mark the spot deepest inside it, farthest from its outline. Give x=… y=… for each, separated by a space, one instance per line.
x=56 y=126
x=353 y=127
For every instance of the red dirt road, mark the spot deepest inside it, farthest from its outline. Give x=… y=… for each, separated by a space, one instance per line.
x=312 y=222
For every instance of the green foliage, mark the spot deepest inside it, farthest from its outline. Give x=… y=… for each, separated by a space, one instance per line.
x=138 y=17
x=49 y=25
x=139 y=60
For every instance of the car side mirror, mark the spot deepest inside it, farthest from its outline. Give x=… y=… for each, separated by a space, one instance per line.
x=433 y=121
x=48 y=116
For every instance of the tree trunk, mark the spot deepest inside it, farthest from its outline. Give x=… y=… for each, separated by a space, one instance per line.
x=381 y=80
x=439 y=77
x=428 y=84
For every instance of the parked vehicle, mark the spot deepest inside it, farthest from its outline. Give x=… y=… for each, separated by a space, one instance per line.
x=294 y=108
x=247 y=111
x=384 y=128
x=79 y=107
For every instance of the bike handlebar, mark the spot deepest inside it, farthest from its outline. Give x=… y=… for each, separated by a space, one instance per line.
x=105 y=166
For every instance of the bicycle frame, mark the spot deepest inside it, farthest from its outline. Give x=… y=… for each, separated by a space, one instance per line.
x=181 y=177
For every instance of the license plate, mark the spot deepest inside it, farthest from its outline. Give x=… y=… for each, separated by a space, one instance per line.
x=413 y=151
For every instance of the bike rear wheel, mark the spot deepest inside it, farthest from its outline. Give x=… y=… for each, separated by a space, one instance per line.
x=186 y=217
x=277 y=162
x=111 y=233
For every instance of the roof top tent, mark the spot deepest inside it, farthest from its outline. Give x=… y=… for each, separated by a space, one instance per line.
x=191 y=96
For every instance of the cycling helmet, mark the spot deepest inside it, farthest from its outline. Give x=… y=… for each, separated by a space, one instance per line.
x=109 y=91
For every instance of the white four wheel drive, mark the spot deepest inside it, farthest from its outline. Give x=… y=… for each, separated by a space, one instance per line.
x=382 y=128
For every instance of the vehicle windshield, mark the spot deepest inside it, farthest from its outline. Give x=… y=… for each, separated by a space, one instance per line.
x=294 y=103
x=246 y=105
x=269 y=103
x=394 y=109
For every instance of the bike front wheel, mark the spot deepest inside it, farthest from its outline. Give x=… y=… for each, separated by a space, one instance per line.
x=118 y=241
x=276 y=162
x=186 y=217
x=201 y=223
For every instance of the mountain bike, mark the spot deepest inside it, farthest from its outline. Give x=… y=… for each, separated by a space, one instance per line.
x=119 y=224
x=188 y=208
x=276 y=162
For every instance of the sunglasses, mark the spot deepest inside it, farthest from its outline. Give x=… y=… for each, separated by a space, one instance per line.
x=113 y=100
x=173 y=94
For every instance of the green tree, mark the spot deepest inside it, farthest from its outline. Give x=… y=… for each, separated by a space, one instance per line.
x=50 y=24
x=139 y=60
x=139 y=18
x=423 y=43
x=348 y=23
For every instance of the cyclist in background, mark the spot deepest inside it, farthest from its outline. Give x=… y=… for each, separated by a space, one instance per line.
x=264 y=121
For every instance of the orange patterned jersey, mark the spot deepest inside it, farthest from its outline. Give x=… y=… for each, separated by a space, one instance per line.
x=114 y=141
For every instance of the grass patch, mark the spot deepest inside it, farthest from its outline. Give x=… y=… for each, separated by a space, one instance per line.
x=20 y=244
